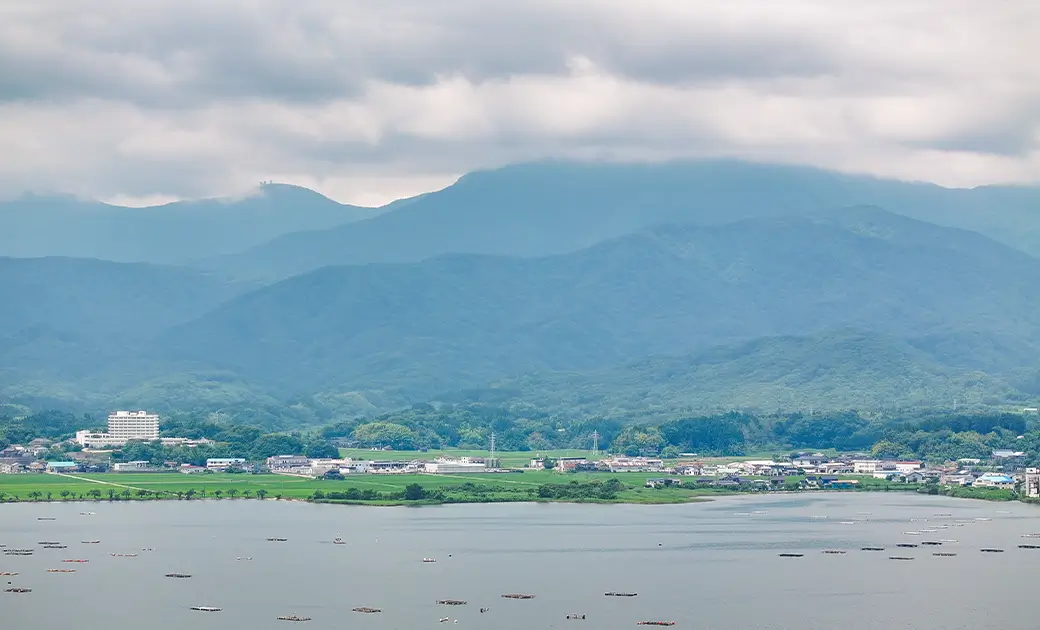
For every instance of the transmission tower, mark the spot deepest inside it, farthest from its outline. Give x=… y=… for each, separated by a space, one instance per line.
x=595 y=442
x=491 y=460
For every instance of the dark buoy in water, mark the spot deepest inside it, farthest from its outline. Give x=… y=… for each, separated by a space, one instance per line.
x=659 y=545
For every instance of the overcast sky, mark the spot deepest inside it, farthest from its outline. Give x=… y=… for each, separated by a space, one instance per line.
x=368 y=100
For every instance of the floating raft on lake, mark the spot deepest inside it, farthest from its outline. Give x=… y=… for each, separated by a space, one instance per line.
x=206 y=608
x=872 y=548
x=613 y=594
x=45 y=518
x=293 y=618
x=429 y=560
x=906 y=545
x=8 y=573
x=123 y=555
x=790 y=555
x=991 y=550
x=61 y=570
x=49 y=542
x=900 y=558
x=833 y=551
x=366 y=609
x=90 y=542
x=17 y=590
x=933 y=543
x=1029 y=546
x=75 y=560
x=277 y=539
x=451 y=602
x=518 y=596
x=178 y=575
x=944 y=554
x=655 y=623
x=575 y=616
x=55 y=546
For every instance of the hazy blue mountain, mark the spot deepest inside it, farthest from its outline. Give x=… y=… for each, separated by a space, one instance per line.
x=59 y=226
x=418 y=329
x=70 y=324
x=842 y=369
x=553 y=208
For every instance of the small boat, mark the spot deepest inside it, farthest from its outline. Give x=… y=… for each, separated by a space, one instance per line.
x=339 y=541
x=655 y=623
x=518 y=596
x=178 y=575
x=17 y=590
x=872 y=548
x=366 y=609
x=277 y=539
x=932 y=543
x=613 y=594
x=991 y=550
x=1029 y=546
x=944 y=554
x=61 y=570
x=900 y=558
x=293 y=618
x=451 y=602
x=206 y=608
x=443 y=620
x=147 y=549
x=790 y=555
x=576 y=616
x=906 y=545
x=833 y=551
x=8 y=573
x=90 y=542
x=244 y=558
x=429 y=560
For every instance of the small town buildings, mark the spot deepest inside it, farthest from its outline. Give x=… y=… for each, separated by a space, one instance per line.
x=908 y=466
x=663 y=483
x=1031 y=483
x=188 y=469
x=619 y=463
x=567 y=464
x=288 y=463
x=11 y=466
x=867 y=466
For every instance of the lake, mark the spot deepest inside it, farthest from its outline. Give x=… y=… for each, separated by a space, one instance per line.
x=705 y=565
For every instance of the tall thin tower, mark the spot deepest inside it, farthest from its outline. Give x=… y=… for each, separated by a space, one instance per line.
x=595 y=442
x=491 y=460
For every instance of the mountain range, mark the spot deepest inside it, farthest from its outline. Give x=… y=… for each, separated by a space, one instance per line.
x=588 y=289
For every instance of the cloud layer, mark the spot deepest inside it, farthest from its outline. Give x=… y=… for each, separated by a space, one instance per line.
x=368 y=100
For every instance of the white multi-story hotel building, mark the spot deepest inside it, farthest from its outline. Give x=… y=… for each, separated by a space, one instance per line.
x=133 y=425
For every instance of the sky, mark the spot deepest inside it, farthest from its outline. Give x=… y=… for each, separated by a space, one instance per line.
x=138 y=101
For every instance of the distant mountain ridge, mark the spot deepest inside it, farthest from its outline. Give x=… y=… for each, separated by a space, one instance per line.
x=37 y=226
x=543 y=209
x=419 y=329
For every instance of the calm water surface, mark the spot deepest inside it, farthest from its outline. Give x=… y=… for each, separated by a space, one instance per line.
x=707 y=565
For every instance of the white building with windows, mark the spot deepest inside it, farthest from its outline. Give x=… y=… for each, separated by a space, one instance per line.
x=133 y=425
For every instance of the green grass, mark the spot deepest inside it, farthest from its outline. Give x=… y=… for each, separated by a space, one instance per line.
x=499 y=486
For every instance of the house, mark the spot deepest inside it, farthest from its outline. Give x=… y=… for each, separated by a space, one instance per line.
x=841 y=484
x=908 y=466
x=288 y=463
x=135 y=466
x=223 y=463
x=663 y=483
x=11 y=466
x=867 y=466
x=1032 y=483
x=564 y=464
x=810 y=461
x=188 y=469
x=37 y=467
x=916 y=476
x=1002 y=453
x=994 y=480
x=633 y=464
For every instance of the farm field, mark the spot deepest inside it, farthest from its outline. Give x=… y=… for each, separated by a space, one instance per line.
x=491 y=487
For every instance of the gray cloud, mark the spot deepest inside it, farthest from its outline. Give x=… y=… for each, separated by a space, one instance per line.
x=370 y=99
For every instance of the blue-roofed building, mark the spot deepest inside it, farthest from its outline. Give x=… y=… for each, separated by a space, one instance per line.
x=991 y=480
x=62 y=466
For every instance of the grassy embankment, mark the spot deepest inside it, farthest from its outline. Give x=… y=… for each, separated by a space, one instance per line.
x=468 y=488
